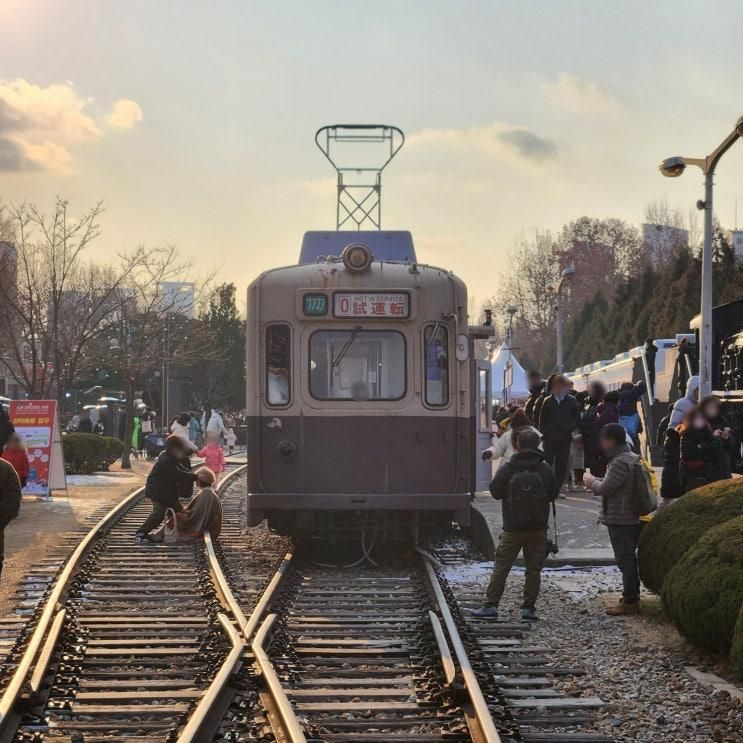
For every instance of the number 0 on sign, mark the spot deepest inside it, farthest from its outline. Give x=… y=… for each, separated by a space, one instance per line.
x=393 y=305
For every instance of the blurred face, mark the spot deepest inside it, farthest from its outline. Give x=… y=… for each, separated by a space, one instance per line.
x=699 y=422
x=560 y=388
x=607 y=445
x=711 y=411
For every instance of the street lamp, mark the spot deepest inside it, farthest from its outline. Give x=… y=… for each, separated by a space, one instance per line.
x=673 y=167
x=556 y=291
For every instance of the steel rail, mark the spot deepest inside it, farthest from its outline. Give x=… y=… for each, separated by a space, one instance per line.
x=17 y=681
x=480 y=706
x=55 y=601
x=231 y=663
x=47 y=651
x=284 y=708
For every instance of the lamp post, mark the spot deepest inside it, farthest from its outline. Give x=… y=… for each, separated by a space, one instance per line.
x=673 y=167
x=556 y=291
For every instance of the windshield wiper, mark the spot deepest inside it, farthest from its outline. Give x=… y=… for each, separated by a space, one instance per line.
x=354 y=334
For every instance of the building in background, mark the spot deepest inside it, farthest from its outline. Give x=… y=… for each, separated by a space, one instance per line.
x=178 y=297
x=662 y=242
x=736 y=240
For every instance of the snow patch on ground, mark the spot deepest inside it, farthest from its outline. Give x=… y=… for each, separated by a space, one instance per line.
x=82 y=481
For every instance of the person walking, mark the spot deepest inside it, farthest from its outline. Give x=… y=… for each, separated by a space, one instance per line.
x=164 y=484
x=559 y=416
x=701 y=453
x=6 y=427
x=526 y=487
x=216 y=425
x=10 y=501
x=588 y=424
x=213 y=455
x=535 y=384
x=15 y=454
x=616 y=490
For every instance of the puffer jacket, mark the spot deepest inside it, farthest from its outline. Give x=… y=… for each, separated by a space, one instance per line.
x=503 y=448
x=684 y=404
x=617 y=488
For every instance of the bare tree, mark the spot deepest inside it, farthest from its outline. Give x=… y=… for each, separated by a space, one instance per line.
x=152 y=328
x=55 y=302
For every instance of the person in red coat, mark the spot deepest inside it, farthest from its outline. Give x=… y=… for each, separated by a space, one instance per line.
x=15 y=454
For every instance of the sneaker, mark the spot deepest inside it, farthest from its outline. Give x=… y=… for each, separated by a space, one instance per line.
x=623 y=609
x=529 y=615
x=486 y=612
x=140 y=537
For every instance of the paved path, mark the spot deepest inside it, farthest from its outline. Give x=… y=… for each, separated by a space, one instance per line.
x=581 y=539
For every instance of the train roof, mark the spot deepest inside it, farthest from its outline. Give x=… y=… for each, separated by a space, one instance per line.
x=385 y=245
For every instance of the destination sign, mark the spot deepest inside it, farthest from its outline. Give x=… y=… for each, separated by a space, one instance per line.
x=372 y=304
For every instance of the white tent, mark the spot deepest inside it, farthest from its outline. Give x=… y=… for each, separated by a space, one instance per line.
x=519 y=387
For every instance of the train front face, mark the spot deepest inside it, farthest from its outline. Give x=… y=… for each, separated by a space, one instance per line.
x=358 y=408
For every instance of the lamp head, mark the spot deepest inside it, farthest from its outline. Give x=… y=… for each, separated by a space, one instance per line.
x=672 y=167
x=511 y=310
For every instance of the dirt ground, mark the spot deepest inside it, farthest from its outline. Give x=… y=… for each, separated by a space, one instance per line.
x=41 y=523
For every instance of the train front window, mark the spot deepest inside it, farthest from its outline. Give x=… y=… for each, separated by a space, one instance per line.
x=436 y=359
x=357 y=365
x=278 y=368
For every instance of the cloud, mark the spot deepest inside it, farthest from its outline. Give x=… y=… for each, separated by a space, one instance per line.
x=575 y=95
x=125 y=114
x=495 y=140
x=39 y=124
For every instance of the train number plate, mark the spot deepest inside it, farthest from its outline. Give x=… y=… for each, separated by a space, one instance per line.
x=372 y=304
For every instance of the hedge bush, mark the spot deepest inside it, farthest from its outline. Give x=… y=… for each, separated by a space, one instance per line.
x=736 y=652
x=676 y=528
x=87 y=452
x=703 y=594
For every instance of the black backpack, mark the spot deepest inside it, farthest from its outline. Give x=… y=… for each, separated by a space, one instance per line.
x=527 y=500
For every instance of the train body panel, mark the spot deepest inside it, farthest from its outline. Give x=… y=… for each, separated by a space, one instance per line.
x=359 y=391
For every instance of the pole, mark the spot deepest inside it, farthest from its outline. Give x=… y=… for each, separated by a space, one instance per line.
x=705 y=324
x=558 y=323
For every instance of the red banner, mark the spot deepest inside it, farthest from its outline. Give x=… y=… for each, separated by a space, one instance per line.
x=35 y=422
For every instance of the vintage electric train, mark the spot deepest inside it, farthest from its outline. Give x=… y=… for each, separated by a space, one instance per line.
x=366 y=404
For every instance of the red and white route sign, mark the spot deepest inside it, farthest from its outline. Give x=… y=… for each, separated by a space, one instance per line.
x=35 y=421
x=394 y=305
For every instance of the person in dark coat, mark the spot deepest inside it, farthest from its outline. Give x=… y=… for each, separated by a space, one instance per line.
x=6 y=427
x=629 y=395
x=701 y=452
x=536 y=388
x=651 y=351
x=526 y=486
x=723 y=432
x=595 y=393
x=546 y=392
x=671 y=486
x=85 y=425
x=10 y=501
x=685 y=351
x=164 y=484
x=559 y=416
x=660 y=434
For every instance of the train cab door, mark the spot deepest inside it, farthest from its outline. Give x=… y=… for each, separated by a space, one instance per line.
x=482 y=424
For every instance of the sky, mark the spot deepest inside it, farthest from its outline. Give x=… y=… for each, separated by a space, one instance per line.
x=194 y=121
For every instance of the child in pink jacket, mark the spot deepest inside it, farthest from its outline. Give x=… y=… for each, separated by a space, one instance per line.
x=213 y=456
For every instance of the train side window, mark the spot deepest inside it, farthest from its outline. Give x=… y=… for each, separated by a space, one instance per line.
x=278 y=364
x=436 y=364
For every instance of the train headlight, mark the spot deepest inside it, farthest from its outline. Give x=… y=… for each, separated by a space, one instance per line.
x=357 y=258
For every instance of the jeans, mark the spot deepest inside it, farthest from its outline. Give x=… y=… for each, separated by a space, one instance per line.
x=557 y=453
x=624 y=539
x=534 y=544
x=158 y=515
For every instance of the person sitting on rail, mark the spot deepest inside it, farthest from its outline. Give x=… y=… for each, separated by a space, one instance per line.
x=202 y=514
x=10 y=501
x=213 y=455
x=164 y=482
x=617 y=489
x=15 y=453
x=526 y=486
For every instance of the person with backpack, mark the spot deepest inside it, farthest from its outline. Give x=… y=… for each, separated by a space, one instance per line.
x=618 y=511
x=526 y=487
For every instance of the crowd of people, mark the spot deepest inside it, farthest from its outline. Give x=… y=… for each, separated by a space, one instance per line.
x=588 y=441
